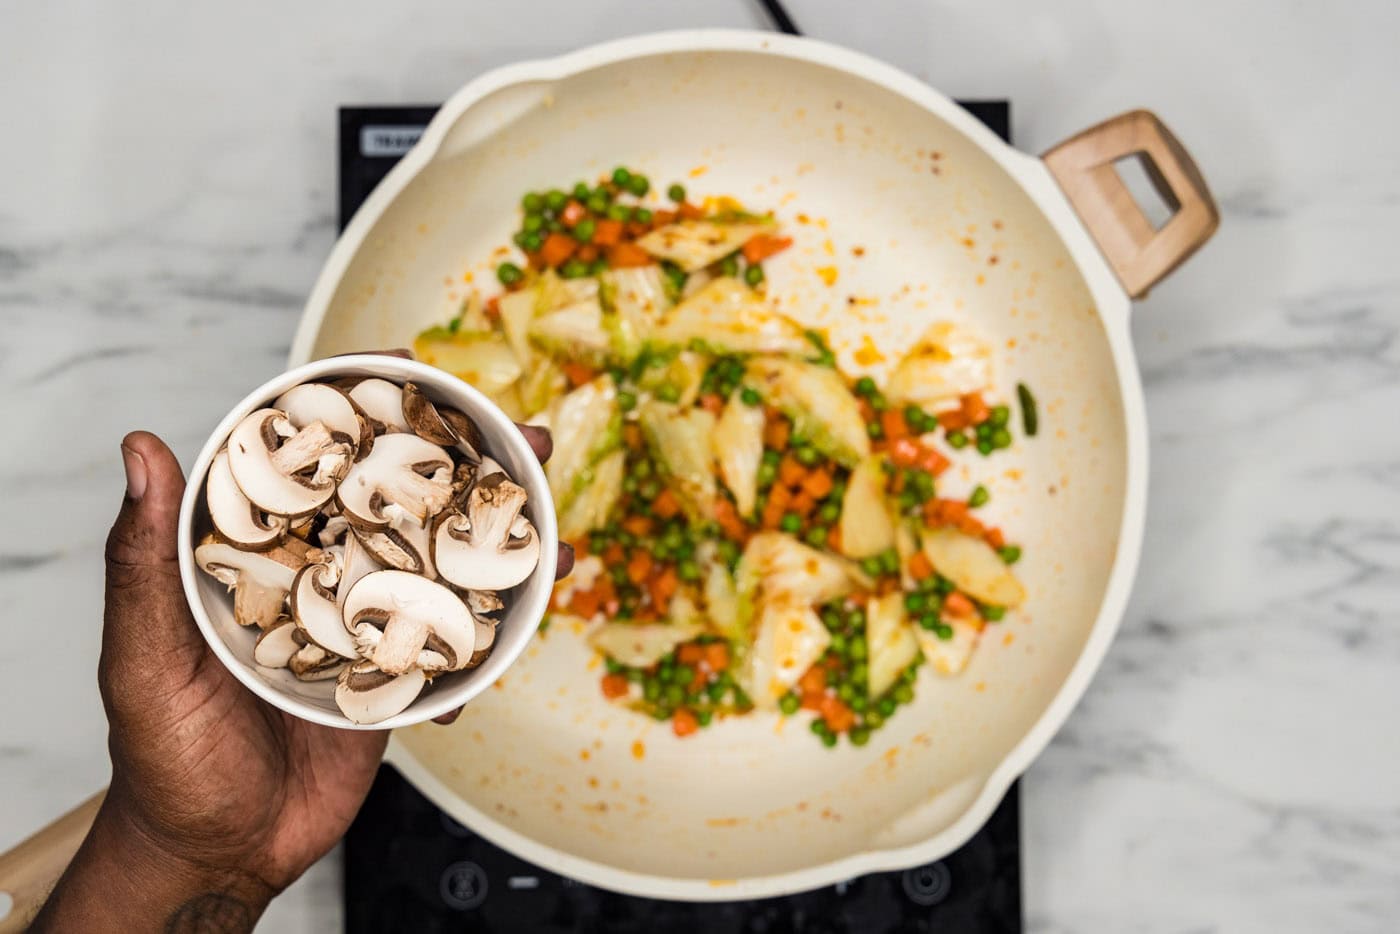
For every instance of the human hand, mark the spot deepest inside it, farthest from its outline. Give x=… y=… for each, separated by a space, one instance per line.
x=218 y=801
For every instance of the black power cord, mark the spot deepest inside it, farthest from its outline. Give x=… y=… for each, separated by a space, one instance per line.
x=780 y=17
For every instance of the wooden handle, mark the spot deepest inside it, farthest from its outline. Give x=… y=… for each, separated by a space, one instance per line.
x=1140 y=255
x=29 y=871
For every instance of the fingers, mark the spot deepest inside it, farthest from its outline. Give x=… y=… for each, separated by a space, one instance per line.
x=146 y=613
x=539 y=439
x=449 y=717
x=565 y=563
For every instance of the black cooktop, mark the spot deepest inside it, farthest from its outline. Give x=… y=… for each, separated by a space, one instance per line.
x=409 y=867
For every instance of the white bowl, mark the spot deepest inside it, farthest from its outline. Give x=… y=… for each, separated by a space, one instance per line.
x=212 y=606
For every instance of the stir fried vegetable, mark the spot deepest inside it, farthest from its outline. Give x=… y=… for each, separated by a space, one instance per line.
x=756 y=529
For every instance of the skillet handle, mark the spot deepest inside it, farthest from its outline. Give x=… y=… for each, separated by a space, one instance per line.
x=29 y=871
x=1140 y=255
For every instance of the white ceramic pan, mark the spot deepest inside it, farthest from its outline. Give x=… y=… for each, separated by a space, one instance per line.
x=1041 y=255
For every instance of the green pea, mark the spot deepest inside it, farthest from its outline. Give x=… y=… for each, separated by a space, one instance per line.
x=819 y=727
x=581 y=191
x=860 y=672
x=532 y=223
x=681 y=674
x=639 y=185
x=688 y=570
x=531 y=242
x=828 y=513
x=791 y=522
x=651 y=689
x=957 y=440
x=829 y=739
x=846 y=691
x=728 y=551
x=619 y=212
x=1001 y=438
x=914 y=416
x=831 y=618
x=874 y=719
x=889 y=561
x=642 y=215
x=1000 y=416
x=942 y=585
x=943 y=631
x=771 y=457
x=1010 y=553
x=509 y=273
x=984 y=432
x=923 y=484
x=627 y=401
x=979 y=496
x=859 y=736
x=703 y=717
x=598 y=267
x=554 y=199
x=621 y=176
x=984 y=447
x=871 y=566
x=636 y=675
x=902 y=694
x=993 y=613
x=789 y=704
x=865 y=386
x=532 y=202
x=858 y=649
x=662 y=713
x=676 y=193
x=584 y=229
x=855 y=619
x=816 y=536
x=838 y=644
x=574 y=269
x=598 y=202
x=908 y=499
x=915 y=602
x=929 y=622
x=886 y=706
x=875 y=431
x=753 y=275
x=668 y=392
x=687 y=550
x=674 y=695
x=807 y=456
x=767 y=473
x=878 y=402
x=859 y=703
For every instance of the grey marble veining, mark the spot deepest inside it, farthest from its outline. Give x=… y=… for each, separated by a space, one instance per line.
x=166 y=198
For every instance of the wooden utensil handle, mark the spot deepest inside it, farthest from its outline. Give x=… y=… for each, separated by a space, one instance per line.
x=29 y=871
x=1140 y=254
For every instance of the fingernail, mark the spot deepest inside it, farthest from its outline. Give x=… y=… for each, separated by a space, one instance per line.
x=135 y=474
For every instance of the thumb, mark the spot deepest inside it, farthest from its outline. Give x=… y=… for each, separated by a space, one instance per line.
x=146 y=611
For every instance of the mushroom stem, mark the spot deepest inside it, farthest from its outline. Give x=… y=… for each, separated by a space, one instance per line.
x=311 y=445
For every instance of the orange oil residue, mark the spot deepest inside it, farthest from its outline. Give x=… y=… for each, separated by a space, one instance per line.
x=639 y=750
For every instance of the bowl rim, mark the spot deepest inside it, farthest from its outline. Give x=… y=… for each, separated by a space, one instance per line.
x=1112 y=305
x=495 y=424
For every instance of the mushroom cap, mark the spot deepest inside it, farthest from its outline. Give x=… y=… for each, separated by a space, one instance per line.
x=416 y=618
x=276 y=645
x=382 y=401
x=314 y=608
x=446 y=426
x=259 y=580
x=367 y=695
x=404 y=544
x=272 y=463
x=235 y=518
x=403 y=470
x=313 y=663
x=324 y=403
x=492 y=546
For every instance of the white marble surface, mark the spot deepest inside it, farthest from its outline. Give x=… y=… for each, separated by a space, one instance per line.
x=168 y=196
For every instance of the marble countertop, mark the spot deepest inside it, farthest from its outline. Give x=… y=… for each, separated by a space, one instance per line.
x=169 y=195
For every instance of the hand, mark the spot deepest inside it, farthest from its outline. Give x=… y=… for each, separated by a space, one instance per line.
x=218 y=801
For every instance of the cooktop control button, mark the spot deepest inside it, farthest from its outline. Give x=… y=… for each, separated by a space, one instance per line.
x=463 y=886
x=928 y=885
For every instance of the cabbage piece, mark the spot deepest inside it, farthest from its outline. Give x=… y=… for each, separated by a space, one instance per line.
x=635 y=299
x=817 y=400
x=738 y=442
x=640 y=645
x=866 y=529
x=680 y=441
x=596 y=490
x=891 y=641
x=946 y=364
x=685 y=374
x=542 y=383
x=721 y=600
x=575 y=332
x=481 y=358
x=729 y=316
x=696 y=244
x=789 y=638
x=517 y=311
x=553 y=292
x=973 y=566
x=776 y=566
x=586 y=425
x=950 y=656
x=906 y=545
x=508 y=401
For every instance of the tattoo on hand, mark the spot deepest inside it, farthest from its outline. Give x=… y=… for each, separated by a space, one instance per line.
x=211 y=913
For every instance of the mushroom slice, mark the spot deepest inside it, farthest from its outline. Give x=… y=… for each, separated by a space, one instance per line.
x=445 y=426
x=382 y=401
x=259 y=580
x=276 y=645
x=404 y=470
x=493 y=546
x=404 y=545
x=313 y=663
x=283 y=470
x=401 y=621
x=367 y=695
x=237 y=520
x=356 y=563
x=480 y=603
x=333 y=531
x=314 y=607
x=321 y=402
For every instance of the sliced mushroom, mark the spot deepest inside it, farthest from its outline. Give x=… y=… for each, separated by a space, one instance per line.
x=404 y=544
x=313 y=663
x=333 y=531
x=322 y=402
x=237 y=520
x=283 y=470
x=367 y=695
x=259 y=580
x=481 y=603
x=356 y=563
x=276 y=645
x=401 y=620
x=315 y=610
x=445 y=426
x=492 y=546
x=404 y=470
x=382 y=401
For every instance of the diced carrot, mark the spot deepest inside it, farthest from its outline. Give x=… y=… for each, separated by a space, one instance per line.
x=837 y=715
x=892 y=421
x=772 y=514
x=625 y=255
x=684 y=723
x=712 y=403
x=931 y=461
x=867 y=411
x=663 y=217
x=493 y=307
x=636 y=229
x=817 y=482
x=896 y=483
x=690 y=653
x=974 y=409
x=690 y=212
x=803 y=504
x=919 y=566
x=995 y=538
x=952 y=421
x=632 y=435
x=615 y=686
x=781 y=495
x=663 y=586
x=957 y=604
x=727 y=517
x=814 y=680
x=557 y=248
x=833 y=538
x=580 y=546
x=790 y=472
x=587 y=253
x=776 y=432
x=607 y=232
x=812 y=700
x=577 y=373
x=717 y=656
x=534 y=260
x=762 y=246
x=639 y=566
x=697 y=681
x=666 y=505
x=585 y=603
x=614 y=555
x=904 y=451
x=573 y=212
x=639 y=526
x=968 y=525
